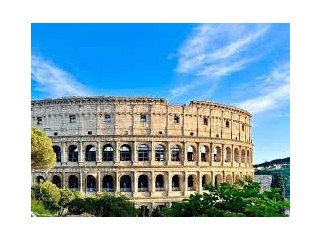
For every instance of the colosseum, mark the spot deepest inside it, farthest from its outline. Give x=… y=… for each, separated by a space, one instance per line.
x=144 y=148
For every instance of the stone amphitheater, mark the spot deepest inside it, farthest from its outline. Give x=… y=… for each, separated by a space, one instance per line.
x=152 y=152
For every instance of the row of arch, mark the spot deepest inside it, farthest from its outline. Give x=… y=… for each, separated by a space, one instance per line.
x=125 y=153
x=126 y=183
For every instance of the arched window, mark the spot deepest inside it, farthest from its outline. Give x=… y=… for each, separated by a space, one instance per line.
x=159 y=183
x=175 y=153
x=248 y=156
x=229 y=178
x=143 y=183
x=143 y=153
x=159 y=153
x=205 y=180
x=227 y=124
x=190 y=153
x=40 y=179
x=175 y=183
x=236 y=155
x=243 y=156
x=107 y=183
x=91 y=183
x=57 y=181
x=107 y=153
x=217 y=154
x=217 y=180
x=57 y=151
x=228 y=154
x=90 y=153
x=191 y=183
x=73 y=183
x=125 y=183
x=203 y=151
x=73 y=153
x=125 y=153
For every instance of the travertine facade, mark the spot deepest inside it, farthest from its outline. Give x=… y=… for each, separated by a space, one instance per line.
x=153 y=152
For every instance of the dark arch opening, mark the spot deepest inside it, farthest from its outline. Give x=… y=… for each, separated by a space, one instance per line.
x=125 y=183
x=57 y=151
x=57 y=181
x=125 y=153
x=107 y=183
x=107 y=153
x=175 y=183
x=73 y=153
x=159 y=183
x=73 y=182
x=143 y=183
x=91 y=183
x=90 y=153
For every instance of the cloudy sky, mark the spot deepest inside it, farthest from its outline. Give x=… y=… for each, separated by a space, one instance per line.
x=246 y=65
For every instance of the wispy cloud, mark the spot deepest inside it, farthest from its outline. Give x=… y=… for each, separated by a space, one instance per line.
x=274 y=90
x=53 y=81
x=214 y=51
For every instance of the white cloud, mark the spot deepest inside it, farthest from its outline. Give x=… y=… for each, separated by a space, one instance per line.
x=213 y=51
x=53 y=81
x=274 y=90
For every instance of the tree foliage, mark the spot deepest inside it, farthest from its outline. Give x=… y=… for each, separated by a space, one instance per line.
x=47 y=193
x=238 y=200
x=42 y=154
x=105 y=205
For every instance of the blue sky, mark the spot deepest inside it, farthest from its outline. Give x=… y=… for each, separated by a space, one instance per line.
x=246 y=65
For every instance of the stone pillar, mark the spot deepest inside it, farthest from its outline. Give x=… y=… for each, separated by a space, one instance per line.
x=212 y=178
x=134 y=152
x=98 y=182
x=199 y=182
x=152 y=182
x=117 y=182
x=135 y=183
x=116 y=152
x=185 y=188
x=81 y=182
x=152 y=153
x=99 y=157
x=80 y=152
x=232 y=156
x=222 y=154
x=64 y=183
x=64 y=157
x=198 y=154
x=168 y=153
x=185 y=160
x=169 y=184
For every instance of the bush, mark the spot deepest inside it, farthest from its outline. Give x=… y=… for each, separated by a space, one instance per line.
x=47 y=193
x=39 y=209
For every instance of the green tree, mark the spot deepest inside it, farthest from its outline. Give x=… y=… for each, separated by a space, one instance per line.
x=278 y=181
x=42 y=154
x=66 y=196
x=238 y=200
x=47 y=193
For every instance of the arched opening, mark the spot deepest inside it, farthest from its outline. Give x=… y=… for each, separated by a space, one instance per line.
x=205 y=180
x=107 y=183
x=248 y=156
x=243 y=156
x=125 y=183
x=91 y=183
x=229 y=178
x=73 y=153
x=143 y=183
x=57 y=181
x=107 y=153
x=175 y=183
x=190 y=154
x=90 y=153
x=236 y=155
x=40 y=179
x=227 y=124
x=73 y=183
x=217 y=180
x=217 y=154
x=144 y=211
x=237 y=177
x=125 y=153
x=57 y=151
x=203 y=152
x=160 y=183
x=175 y=153
x=191 y=183
x=228 y=154
x=159 y=153
x=143 y=153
